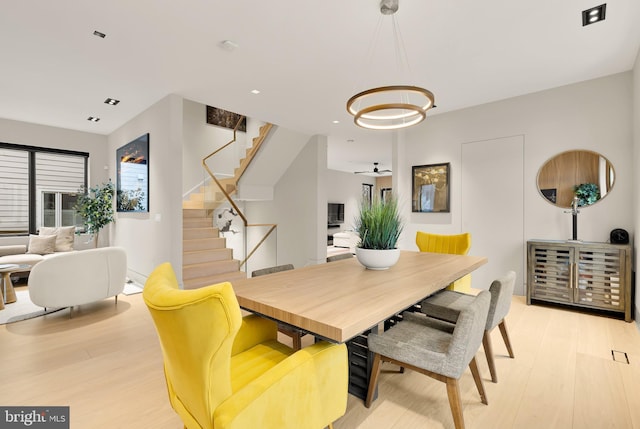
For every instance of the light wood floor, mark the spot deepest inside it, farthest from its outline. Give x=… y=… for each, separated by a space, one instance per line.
x=105 y=364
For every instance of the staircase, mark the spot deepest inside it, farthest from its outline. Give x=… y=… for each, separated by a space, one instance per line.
x=206 y=260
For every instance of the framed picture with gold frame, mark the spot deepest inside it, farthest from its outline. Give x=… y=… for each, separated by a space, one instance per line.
x=430 y=190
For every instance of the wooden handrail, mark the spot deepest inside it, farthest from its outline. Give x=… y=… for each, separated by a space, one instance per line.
x=228 y=196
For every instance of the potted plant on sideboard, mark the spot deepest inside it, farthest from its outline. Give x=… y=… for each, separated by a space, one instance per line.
x=379 y=226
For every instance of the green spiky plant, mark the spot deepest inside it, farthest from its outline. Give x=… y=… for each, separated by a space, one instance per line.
x=379 y=224
x=95 y=205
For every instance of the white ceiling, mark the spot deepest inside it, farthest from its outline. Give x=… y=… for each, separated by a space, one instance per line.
x=306 y=57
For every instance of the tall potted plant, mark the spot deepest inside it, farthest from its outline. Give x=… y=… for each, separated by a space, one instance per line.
x=96 y=208
x=379 y=226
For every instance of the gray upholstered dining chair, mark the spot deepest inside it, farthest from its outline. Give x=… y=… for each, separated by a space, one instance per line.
x=296 y=336
x=446 y=305
x=271 y=270
x=339 y=257
x=435 y=348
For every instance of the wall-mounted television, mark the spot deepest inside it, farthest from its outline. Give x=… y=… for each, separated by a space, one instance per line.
x=335 y=213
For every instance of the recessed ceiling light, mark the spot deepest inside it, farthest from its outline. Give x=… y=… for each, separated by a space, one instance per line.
x=593 y=15
x=255 y=91
x=111 y=101
x=336 y=122
x=99 y=34
x=93 y=119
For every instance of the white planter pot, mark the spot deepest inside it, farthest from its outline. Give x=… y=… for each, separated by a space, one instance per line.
x=377 y=259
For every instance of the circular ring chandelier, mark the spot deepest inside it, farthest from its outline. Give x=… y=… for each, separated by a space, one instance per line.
x=395 y=106
x=390 y=107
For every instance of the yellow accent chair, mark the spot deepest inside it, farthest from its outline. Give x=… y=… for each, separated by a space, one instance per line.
x=457 y=244
x=224 y=371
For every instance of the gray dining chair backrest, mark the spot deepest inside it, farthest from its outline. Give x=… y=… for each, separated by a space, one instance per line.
x=271 y=270
x=467 y=335
x=501 y=291
x=339 y=257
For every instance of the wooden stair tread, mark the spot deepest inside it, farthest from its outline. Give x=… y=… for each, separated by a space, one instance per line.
x=215 y=279
x=206 y=259
x=215 y=268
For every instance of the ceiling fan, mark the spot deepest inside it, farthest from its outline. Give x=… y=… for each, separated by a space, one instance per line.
x=375 y=170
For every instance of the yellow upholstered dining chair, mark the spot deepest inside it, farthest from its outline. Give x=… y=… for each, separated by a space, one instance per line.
x=457 y=244
x=224 y=371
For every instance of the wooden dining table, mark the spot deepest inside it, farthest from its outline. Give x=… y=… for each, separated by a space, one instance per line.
x=343 y=302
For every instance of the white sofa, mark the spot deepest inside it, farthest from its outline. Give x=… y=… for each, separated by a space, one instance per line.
x=49 y=242
x=348 y=239
x=74 y=278
x=17 y=254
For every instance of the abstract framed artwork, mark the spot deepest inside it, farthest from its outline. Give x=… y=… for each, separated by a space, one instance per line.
x=430 y=190
x=132 y=166
x=224 y=118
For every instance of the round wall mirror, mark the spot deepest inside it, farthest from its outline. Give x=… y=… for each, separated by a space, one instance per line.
x=575 y=173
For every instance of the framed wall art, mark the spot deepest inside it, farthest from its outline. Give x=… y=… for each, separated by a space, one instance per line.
x=132 y=192
x=224 y=118
x=430 y=190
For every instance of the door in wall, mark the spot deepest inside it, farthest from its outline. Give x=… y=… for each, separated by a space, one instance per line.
x=493 y=207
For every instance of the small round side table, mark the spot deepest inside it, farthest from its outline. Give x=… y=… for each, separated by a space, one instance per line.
x=6 y=270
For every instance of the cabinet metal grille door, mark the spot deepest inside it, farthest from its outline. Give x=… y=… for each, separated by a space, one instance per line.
x=550 y=273
x=599 y=279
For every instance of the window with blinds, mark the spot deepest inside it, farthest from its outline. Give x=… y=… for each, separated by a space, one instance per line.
x=58 y=179
x=39 y=187
x=14 y=191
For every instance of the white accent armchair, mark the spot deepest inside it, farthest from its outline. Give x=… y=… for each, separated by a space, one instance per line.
x=76 y=278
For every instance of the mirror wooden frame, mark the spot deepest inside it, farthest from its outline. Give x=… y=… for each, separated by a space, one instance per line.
x=561 y=174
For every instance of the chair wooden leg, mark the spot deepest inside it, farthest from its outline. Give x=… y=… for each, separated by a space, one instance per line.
x=473 y=365
x=486 y=343
x=505 y=337
x=453 y=392
x=297 y=341
x=373 y=381
x=296 y=337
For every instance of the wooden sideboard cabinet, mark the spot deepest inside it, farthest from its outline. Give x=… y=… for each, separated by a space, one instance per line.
x=582 y=274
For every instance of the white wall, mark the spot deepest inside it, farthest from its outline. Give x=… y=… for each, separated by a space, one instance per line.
x=155 y=237
x=28 y=134
x=299 y=209
x=346 y=188
x=278 y=151
x=201 y=139
x=593 y=115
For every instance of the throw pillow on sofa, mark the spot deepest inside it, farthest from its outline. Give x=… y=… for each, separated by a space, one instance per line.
x=64 y=236
x=42 y=244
